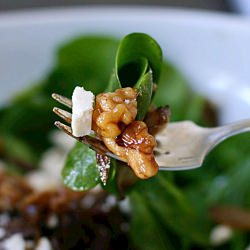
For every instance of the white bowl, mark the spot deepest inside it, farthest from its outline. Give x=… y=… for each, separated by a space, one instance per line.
x=211 y=49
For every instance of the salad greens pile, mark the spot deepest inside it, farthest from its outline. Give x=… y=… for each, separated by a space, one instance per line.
x=169 y=211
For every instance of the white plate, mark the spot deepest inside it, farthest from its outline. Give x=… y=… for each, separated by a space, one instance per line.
x=211 y=49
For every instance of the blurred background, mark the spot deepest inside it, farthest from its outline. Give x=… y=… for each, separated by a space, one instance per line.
x=235 y=6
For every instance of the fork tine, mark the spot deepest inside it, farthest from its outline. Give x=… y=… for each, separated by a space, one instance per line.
x=92 y=142
x=62 y=99
x=65 y=115
x=65 y=128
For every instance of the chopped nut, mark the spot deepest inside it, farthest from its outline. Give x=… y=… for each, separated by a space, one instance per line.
x=114 y=122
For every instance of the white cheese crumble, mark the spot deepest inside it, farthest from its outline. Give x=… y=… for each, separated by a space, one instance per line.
x=109 y=203
x=125 y=205
x=16 y=242
x=48 y=175
x=43 y=244
x=88 y=201
x=52 y=221
x=248 y=248
x=61 y=140
x=220 y=234
x=82 y=109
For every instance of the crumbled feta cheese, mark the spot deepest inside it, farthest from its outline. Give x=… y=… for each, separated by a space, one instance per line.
x=88 y=201
x=52 y=162
x=220 y=235
x=125 y=205
x=40 y=180
x=82 y=109
x=61 y=140
x=48 y=175
x=16 y=242
x=52 y=221
x=43 y=244
x=109 y=203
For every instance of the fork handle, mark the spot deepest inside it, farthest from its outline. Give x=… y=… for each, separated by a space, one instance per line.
x=223 y=132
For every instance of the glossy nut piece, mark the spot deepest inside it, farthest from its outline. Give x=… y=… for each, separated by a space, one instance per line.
x=114 y=122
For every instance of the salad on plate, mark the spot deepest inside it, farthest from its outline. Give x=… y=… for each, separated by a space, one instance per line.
x=132 y=207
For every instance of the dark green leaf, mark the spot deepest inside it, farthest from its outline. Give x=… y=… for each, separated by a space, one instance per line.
x=172 y=90
x=133 y=72
x=132 y=49
x=16 y=153
x=113 y=83
x=86 y=61
x=29 y=121
x=172 y=209
x=146 y=231
x=80 y=171
x=138 y=64
x=145 y=88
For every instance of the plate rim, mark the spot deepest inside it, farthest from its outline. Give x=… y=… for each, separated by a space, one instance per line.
x=68 y=14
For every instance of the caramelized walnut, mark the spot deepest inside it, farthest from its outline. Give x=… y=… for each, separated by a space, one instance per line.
x=140 y=145
x=112 y=109
x=156 y=119
x=114 y=121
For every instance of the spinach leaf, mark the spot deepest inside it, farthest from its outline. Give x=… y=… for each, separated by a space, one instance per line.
x=132 y=73
x=138 y=64
x=80 y=171
x=173 y=211
x=145 y=88
x=30 y=122
x=146 y=231
x=132 y=49
x=113 y=83
x=17 y=154
x=84 y=61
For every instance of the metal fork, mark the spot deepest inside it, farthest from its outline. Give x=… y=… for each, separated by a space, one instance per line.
x=180 y=145
x=184 y=145
x=92 y=141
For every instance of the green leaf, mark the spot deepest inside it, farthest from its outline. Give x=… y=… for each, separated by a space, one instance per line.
x=145 y=88
x=146 y=231
x=80 y=171
x=172 y=90
x=113 y=83
x=138 y=64
x=172 y=210
x=15 y=152
x=132 y=73
x=132 y=51
x=29 y=121
x=86 y=61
